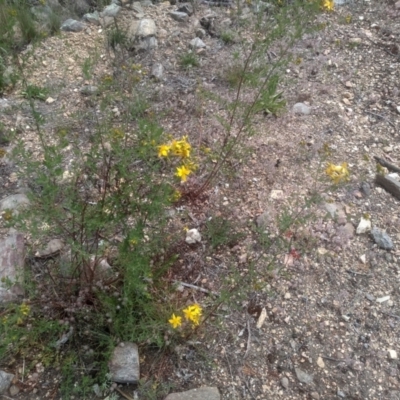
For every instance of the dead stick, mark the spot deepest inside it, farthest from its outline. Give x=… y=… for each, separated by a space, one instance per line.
x=248 y=338
x=123 y=394
x=189 y=285
x=386 y=164
x=390 y=184
x=357 y=273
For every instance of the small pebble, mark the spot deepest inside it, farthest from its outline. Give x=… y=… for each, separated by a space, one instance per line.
x=392 y=354
x=285 y=382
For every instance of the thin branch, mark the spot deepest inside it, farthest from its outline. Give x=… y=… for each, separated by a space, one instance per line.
x=386 y=164
x=248 y=338
x=189 y=285
x=357 y=273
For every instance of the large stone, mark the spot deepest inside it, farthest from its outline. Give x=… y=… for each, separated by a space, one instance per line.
x=14 y=202
x=110 y=11
x=382 y=239
x=301 y=108
x=5 y=381
x=197 y=43
x=71 y=25
x=124 y=364
x=143 y=28
x=302 y=376
x=12 y=256
x=203 y=393
x=179 y=16
x=93 y=18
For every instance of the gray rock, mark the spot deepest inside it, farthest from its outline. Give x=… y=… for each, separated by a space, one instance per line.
x=179 y=16
x=142 y=29
x=301 y=108
x=124 y=363
x=186 y=8
x=93 y=18
x=5 y=381
x=145 y=44
x=370 y=297
x=157 y=71
x=89 y=90
x=110 y=11
x=366 y=188
x=146 y=3
x=285 y=382
x=14 y=202
x=314 y=395
x=203 y=393
x=4 y=104
x=201 y=33
x=54 y=246
x=333 y=209
x=12 y=257
x=302 y=376
x=81 y=6
x=382 y=239
x=14 y=390
x=137 y=7
x=197 y=43
x=117 y=2
x=72 y=25
x=341 y=394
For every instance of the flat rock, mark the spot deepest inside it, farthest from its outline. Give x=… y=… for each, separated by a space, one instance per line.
x=89 y=90
x=197 y=43
x=72 y=25
x=179 y=16
x=93 y=18
x=285 y=382
x=111 y=11
x=143 y=28
x=203 y=393
x=364 y=226
x=301 y=108
x=382 y=239
x=12 y=257
x=5 y=381
x=14 y=202
x=302 y=376
x=52 y=247
x=186 y=8
x=124 y=363
x=157 y=71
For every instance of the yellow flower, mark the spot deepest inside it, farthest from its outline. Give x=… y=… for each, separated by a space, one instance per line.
x=337 y=173
x=24 y=308
x=164 y=150
x=328 y=5
x=193 y=313
x=183 y=172
x=175 y=321
x=181 y=147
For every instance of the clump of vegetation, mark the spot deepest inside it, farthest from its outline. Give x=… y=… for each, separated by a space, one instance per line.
x=189 y=60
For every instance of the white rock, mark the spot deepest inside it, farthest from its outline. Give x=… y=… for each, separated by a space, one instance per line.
x=383 y=299
x=261 y=318
x=193 y=236
x=287 y=296
x=363 y=226
x=276 y=194
x=320 y=362
x=392 y=354
x=363 y=259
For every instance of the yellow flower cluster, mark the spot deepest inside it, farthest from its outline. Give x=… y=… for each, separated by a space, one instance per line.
x=327 y=5
x=192 y=314
x=338 y=173
x=179 y=148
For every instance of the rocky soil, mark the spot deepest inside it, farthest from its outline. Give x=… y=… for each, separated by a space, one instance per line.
x=326 y=323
